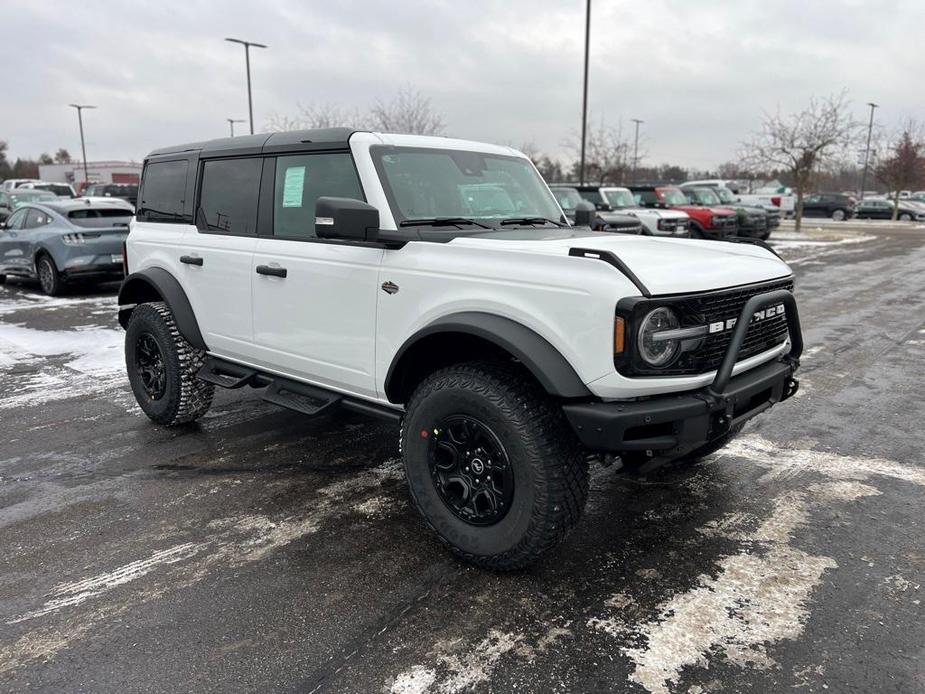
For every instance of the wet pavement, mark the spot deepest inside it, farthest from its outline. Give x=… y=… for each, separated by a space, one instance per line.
x=261 y=550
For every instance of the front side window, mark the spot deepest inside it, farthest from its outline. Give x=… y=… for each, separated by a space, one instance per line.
x=673 y=196
x=301 y=180
x=567 y=198
x=703 y=196
x=16 y=219
x=228 y=196
x=163 y=190
x=423 y=183
x=619 y=199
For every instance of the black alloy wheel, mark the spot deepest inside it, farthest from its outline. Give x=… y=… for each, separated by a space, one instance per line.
x=470 y=470
x=150 y=366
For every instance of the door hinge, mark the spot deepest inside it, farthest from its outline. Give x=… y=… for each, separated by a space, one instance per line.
x=389 y=287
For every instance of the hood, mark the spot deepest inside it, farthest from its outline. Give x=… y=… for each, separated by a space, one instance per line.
x=664 y=265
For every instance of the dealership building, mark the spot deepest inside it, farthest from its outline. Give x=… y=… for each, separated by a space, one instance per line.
x=97 y=172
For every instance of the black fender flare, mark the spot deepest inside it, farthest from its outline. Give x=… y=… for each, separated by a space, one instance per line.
x=553 y=371
x=138 y=288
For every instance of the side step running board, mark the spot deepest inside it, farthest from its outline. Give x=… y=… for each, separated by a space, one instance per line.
x=225 y=374
x=301 y=397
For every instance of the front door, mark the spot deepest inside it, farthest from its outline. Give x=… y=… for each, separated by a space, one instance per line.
x=314 y=300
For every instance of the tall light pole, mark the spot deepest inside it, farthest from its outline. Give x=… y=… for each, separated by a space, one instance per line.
x=83 y=147
x=584 y=101
x=247 y=61
x=870 y=130
x=232 y=121
x=636 y=148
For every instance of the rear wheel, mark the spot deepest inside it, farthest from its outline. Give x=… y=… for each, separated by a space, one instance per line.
x=49 y=277
x=905 y=217
x=491 y=464
x=162 y=367
x=838 y=215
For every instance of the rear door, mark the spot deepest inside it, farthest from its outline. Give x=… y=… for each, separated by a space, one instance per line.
x=216 y=260
x=314 y=299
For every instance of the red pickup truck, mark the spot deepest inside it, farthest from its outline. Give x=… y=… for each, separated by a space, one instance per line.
x=706 y=222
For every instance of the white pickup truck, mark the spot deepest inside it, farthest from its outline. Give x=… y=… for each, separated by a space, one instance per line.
x=436 y=283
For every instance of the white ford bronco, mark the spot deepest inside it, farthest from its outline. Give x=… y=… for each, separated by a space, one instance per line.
x=437 y=284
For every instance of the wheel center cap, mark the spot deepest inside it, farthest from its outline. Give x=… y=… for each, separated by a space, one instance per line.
x=478 y=467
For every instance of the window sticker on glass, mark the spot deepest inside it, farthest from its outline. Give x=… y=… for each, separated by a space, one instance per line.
x=293 y=186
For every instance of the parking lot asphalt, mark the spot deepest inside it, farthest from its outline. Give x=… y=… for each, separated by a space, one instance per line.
x=260 y=550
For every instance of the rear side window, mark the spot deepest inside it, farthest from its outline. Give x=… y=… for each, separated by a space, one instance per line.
x=99 y=218
x=301 y=180
x=228 y=196
x=163 y=191
x=36 y=218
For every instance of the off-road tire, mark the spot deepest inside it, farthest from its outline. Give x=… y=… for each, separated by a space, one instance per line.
x=697 y=232
x=550 y=471
x=48 y=275
x=185 y=397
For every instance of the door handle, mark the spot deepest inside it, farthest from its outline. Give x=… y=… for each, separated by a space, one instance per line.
x=191 y=259
x=270 y=270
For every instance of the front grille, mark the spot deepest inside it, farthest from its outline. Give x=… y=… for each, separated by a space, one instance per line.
x=722 y=306
x=724 y=221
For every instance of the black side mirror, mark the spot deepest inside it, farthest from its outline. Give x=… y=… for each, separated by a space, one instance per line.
x=585 y=212
x=346 y=218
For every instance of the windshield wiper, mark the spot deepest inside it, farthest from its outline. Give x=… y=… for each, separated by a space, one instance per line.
x=441 y=222
x=530 y=220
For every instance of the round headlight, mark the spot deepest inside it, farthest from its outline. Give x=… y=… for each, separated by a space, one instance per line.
x=658 y=352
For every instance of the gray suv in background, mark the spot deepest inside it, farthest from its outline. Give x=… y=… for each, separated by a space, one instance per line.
x=62 y=241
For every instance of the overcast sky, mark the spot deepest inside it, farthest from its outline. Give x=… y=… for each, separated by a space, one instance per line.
x=509 y=71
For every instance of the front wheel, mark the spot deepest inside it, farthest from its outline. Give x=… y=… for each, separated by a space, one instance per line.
x=162 y=367
x=905 y=217
x=492 y=464
x=49 y=278
x=838 y=215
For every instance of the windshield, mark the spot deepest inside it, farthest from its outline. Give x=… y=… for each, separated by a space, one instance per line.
x=99 y=217
x=703 y=195
x=423 y=183
x=24 y=196
x=58 y=189
x=673 y=196
x=620 y=198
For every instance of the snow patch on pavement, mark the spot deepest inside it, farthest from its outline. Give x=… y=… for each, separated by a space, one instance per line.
x=92 y=358
x=463 y=667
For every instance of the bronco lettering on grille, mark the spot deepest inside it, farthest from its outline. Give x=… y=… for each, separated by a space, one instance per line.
x=764 y=314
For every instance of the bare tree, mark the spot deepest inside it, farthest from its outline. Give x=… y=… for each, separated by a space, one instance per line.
x=608 y=154
x=409 y=112
x=904 y=167
x=316 y=116
x=62 y=156
x=804 y=142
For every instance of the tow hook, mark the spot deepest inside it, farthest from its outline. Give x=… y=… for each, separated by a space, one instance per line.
x=790 y=388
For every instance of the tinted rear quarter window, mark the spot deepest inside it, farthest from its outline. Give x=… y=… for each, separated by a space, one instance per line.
x=228 y=196
x=301 y=180
x=163 y=190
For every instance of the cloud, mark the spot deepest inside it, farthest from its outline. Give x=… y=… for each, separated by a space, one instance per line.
x=698 y=74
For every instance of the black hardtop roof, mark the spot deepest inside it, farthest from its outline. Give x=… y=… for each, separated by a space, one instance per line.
x=292 y=140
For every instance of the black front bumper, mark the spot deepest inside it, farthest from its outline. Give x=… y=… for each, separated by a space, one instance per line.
x=677 y=424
